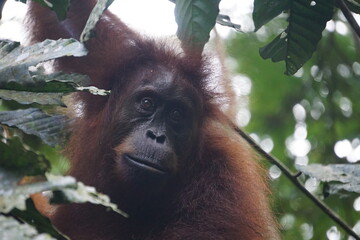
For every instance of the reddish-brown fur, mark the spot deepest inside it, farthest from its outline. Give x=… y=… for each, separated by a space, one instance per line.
x=221 y=193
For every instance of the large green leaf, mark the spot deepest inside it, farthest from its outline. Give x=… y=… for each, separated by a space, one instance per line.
x=265 y=10
x=195 y=19
x=297 y=43
x=50 y=128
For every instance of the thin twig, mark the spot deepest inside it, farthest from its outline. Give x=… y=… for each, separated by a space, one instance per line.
x=349 y=17
x=294 y=179
x=226 y=21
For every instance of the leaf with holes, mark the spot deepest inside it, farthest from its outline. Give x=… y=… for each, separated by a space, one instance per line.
x=340 y=177
x=307 y=20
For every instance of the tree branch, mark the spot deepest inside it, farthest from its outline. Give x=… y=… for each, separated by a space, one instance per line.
x=349 y=17
x=226 y=21
x=294 y=179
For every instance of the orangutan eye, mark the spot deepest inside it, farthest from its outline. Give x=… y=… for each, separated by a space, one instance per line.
x=176 y=114
x=147 y=104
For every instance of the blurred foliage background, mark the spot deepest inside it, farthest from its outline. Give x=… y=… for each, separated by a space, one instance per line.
x=311 y=117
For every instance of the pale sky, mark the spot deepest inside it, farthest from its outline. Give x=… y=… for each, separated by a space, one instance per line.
x=155 y=17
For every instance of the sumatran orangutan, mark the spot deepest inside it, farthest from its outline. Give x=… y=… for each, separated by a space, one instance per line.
x=158 y=145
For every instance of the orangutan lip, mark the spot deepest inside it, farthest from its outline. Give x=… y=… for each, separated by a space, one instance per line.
x=145 y=164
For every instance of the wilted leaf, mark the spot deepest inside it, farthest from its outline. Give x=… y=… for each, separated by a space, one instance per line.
x=16 y=60
x=94 y=90
x=11 y=229
x=13 y=195
x=195 y=19
x=265 y=10
x=339 y=176
x=82 y=194
x=50 y=128
x=307 y=20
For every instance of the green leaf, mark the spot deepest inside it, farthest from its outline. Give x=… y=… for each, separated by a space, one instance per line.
x=307 y=20
x=50 y=128
x=15 y=157
x=16 y=60
x=195 y=19
x=276 y=49
x=12 y=229
x=266 y=10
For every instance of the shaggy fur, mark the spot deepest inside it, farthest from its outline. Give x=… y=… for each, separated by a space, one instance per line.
x=220 y=192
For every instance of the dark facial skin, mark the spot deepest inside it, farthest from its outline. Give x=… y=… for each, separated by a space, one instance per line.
x=161 y=114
